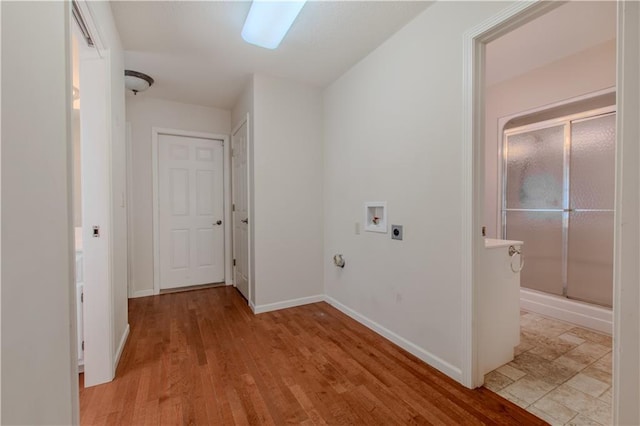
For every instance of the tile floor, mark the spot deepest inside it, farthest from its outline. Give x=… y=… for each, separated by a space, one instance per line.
x=561 y=372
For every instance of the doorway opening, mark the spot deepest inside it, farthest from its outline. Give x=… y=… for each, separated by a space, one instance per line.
x=558 y=196
x=518 y=86
x=191 y=209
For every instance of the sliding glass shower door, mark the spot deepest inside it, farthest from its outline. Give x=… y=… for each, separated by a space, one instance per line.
x=534 y=204
x=558 y=199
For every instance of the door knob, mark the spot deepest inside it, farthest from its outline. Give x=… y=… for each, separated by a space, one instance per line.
x=218 y=223
x=245 y=220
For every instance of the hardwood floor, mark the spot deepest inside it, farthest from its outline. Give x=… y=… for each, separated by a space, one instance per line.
x=201 y=357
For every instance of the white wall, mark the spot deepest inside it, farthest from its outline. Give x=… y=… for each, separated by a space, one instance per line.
x=585 y=72
x=38 y=337
x=393 y=131
x=145 y=112
x=288 y=200
x=244 y=104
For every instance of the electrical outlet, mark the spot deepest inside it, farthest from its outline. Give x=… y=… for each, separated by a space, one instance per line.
x=396 y=232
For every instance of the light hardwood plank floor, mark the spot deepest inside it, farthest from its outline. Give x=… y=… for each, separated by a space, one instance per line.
x=201 y=357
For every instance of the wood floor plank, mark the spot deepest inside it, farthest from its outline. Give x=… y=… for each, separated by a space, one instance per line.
x=202 y=357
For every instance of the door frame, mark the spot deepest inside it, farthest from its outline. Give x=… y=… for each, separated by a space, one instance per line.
x=129 y=194
x=245 y=120
x=155 y=134
x=100 y=359
x=626 y=389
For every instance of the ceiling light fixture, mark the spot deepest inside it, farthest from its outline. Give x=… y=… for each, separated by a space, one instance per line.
x=137 y=81
x=269 y=21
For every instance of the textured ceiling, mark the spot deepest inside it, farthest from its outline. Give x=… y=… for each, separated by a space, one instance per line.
x=195 y=53
x=566 y=30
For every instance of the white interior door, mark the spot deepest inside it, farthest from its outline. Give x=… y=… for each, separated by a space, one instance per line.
x=241 y=210
x=190 y=197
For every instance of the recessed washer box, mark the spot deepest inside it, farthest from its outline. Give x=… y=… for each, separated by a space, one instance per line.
x=375 y=216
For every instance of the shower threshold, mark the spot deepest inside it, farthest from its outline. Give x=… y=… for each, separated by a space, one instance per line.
x=584 y=314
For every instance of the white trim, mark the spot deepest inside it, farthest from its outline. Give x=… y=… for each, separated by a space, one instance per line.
x=123 y=341
x=558 y=307
x=259 y=309
x=72 y=288
x=626 y=273
x=244 y=119
x=155 y=133
x=405 y=344
x=252 y=306
x=129 y=188
x=228 y=214
x=142 y=293
x=75 y=410
x=472 y=244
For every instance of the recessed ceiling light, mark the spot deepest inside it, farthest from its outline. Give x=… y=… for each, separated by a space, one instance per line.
x=269 y=21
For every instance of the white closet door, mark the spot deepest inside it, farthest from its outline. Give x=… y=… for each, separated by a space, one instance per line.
x=190 y=195
x=241 y=213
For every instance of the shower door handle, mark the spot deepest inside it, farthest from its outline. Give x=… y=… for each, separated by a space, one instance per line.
x=568 y=210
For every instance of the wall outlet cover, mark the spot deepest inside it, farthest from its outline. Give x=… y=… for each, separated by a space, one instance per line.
x=396 y=232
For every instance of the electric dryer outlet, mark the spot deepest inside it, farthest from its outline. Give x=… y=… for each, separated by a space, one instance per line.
x=396 y=232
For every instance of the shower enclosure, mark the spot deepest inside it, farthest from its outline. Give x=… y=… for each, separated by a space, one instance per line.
x=558 y=197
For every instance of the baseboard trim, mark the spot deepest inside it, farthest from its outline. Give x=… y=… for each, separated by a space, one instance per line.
x=141 y=293
x=123 y=340
x=252 y=306
x=579 y=313
x=426 y=356
x=259 y=309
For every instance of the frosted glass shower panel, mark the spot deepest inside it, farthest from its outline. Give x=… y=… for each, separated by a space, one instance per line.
x=592 y=178
x=590 y=257
x=535 y=169
x=592 y=183
x=542 y=236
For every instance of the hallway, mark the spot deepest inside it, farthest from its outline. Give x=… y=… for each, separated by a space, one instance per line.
x=201 y=357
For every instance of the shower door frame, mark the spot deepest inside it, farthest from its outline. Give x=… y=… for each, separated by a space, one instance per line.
x=566 y=209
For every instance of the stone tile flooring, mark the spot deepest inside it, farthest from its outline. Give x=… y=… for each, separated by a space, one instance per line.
x=561 y=372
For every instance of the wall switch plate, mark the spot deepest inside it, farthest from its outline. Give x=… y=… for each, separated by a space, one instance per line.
x=396 y=232
x=357 y=228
